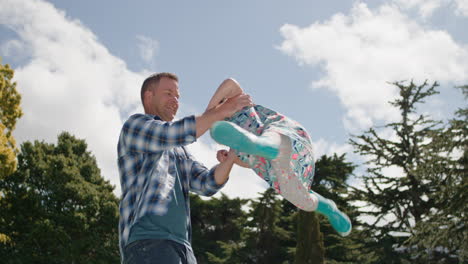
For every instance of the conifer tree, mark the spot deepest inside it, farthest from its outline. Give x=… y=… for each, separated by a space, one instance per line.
x=262 y=236
x=332 y=180
x=217 y=223
x=446 y=227
x=310 y=248
x=402 y=202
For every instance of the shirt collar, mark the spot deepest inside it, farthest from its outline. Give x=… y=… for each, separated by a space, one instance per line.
x=155 y=117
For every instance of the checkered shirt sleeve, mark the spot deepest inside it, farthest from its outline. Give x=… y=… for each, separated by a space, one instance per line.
x=146 y=158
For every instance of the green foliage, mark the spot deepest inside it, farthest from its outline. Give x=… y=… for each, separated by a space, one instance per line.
x=272 y=230
x=310 y=248
x=264 y=234
x=419 y=211
x=446 y=227
x=57 y=208
x=10 y=111
x=216 y=223
x=331 y=180
x=261 y=238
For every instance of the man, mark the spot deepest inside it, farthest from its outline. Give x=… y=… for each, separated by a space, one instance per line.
x=156 y=173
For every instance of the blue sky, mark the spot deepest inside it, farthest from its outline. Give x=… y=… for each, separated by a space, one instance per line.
x=80 y=64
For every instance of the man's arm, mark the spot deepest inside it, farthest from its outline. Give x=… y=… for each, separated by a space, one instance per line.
x=205 y=181
x=142 y=133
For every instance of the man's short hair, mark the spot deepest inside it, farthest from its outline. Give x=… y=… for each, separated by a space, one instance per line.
x=154 y=80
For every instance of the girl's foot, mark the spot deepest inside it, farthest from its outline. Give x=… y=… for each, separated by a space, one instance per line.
x=338 y=220
x=232 y=135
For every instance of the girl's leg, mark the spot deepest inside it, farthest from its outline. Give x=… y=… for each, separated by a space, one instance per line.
x=227 y=89
x=290 y=186
x=232 y=135
x=291 y=189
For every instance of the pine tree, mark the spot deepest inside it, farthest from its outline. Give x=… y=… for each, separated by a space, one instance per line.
x=262 y=236
x=289 y=223
x=446 y=227
x=310 y=248
x=332 y=176
x=276 y=230
x=57 y=208
x=401 y=203
x=216 y=224
x=265 y=234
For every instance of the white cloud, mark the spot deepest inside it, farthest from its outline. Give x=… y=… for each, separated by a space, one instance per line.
x=363 y=51
x=70 y=82
x=148 y=48
x=461 y=7
x=324 y=147
x=425 y=7
x=13 y=48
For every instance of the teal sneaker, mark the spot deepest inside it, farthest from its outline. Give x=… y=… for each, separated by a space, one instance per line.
x=338 y=220
x=232 y=135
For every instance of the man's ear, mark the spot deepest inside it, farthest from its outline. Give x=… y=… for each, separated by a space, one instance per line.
x=147 y=95
x=146 y=99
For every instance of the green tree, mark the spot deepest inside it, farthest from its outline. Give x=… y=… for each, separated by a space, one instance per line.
x=401 y=203
x=262 y=236
x=310 y=248
x=57 y=208
x=10 y=111
x=331 y=178
x=288 y=221
x=446 y=227
x=278 y=232
x=216 y=224
x=330 y=181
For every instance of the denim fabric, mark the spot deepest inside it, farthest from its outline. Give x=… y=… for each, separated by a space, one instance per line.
x=158 y=251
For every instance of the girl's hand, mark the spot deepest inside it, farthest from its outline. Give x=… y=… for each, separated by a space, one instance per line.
x=222 y=155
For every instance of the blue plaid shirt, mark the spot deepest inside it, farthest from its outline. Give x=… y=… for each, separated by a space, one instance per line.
x=149 y=150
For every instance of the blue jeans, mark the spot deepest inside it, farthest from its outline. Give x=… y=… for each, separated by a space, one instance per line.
x=158 y=251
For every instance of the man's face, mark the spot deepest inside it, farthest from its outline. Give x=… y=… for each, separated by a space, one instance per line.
x=165 y=99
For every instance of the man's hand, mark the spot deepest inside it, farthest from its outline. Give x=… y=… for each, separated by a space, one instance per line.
x=234 y=104
x=220 y=112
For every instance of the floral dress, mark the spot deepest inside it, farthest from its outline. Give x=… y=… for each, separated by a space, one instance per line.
x=300 y=164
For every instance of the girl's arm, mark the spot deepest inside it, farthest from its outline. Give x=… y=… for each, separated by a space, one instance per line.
x=241 y=163
x=227 y=89
x=223 y=155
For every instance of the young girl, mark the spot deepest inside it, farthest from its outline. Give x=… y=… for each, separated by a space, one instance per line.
x=278 y=149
